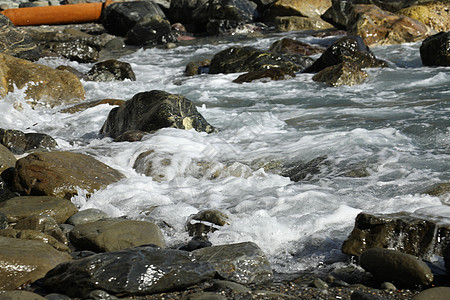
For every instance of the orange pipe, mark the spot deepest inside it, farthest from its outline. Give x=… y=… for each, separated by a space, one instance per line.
x=59 y=14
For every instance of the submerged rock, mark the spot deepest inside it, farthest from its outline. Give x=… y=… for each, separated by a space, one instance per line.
x=61 y=173
x=150 y=111
x=435 y=50
x=205 y=221
x=19 y=142
x=270 y=74
x=303 y=171
x=135 y=271
x=197 y=67
x=111 y=70
x=344 y=73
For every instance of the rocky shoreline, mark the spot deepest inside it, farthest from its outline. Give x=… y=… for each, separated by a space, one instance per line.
x=50 y=250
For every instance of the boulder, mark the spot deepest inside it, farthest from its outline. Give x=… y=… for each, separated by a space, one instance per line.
x=210 y=220
x=303 y=170
x=85 y=105
x=295 y=23
x=379 y=27
x=401 y=231
x=187 y=12
x=150 y=111
x=87 y=216
x=44 y=224
x=25 y=261
x=246 y=59
x=136 y=271
x=19 y=142
x=44 y=85
x=435 y=50
x=349 y=48
x=436 y=15
x=35 y=235
x=16 y=42
x=244 y=263
x=435 y=293
x=301 y=8
x=111 y=70
x=20 y=295
x=74 y=50
x=119 y=17
x=19 y=208
x=402 y=269
x=7 y=159
x=270 y=74
x=108 y=235
x=61 y=173
x=197 y=67
x=345 y=73
x=290 y=46
x=151 y=31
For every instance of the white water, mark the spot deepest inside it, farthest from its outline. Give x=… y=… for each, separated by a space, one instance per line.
x=396 y=125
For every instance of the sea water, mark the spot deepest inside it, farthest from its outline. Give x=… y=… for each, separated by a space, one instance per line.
x=395 y=126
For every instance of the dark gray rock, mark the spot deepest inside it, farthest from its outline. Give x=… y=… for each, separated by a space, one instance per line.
x=244 y=263
x=304 y=171
x=435 y=50
x=19 y=142
x=120 y=17
x=344 y=73
x=265 y=75
x=3 y=221
x=150 y=111
x=135 y=271
x=111 y=70
x=16 y=42
x=86 y=216
x=74 y=50
x=151 y=31
x=349 y=48
x=402 y=269
x=185 y=12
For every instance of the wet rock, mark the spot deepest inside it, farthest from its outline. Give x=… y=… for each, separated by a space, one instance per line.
x=303 y=171
x=120 y=17
x=3 y=221
x=75 y=50
x=87 y=216
x=111 y=70
x=5 y=192
x=197 y=242
x=197 y=67
x=25 y=261
x=244 y=263
x=349 y=48
x=19 y=208
x=435 y=14
x=16 y=42
x=19 y=142
x=136 y=271
x=409 y=234
x=7 y=159
x=270 y=74
x=435 y=293
x=150 y=111
x=378 y=27
x=44 y=224
x=189 y=12
x=296 y=23
x=20 y=295
x=345 y=73
x=439 y=189
x=44 y=85
x=246 y=59
x=72 y=70
x=205 y=221
x=131 y=136
x=390 y=265
x=28 y=234
x=222 y=285
x=290 y=46
x=435 y=50
x=108 y=235
x=85 y=105
x=302 y=8
x=61 y=173
x=151 y=31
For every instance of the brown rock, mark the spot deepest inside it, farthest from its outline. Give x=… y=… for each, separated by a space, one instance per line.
x=290 y=46
x=44 y=224
x=268 y=74
x=193 y=68
x=44 y=85
x=109 y=235
x=436 y=15
x=294 y=23
x=379 y=27
x=439 y=189
x=25 y=261
x=28 y=234
x=7 y=159
x=85 y=105
x=19 y=208
x=302 y=8
x=22 y=295
x=59 y=174
x=345 y=73
x=435 y=293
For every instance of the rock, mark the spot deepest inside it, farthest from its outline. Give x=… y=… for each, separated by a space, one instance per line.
x=120 y=17
x=222 y=285
x=360 y=295
x=408 y=234
x=44 y=224
x=25 y=261
x=206 y=296
x=108 y=235
x=390 y=265
x=61 y=173
x=303 y=171
x=85 y=105
x=136 y=271
x=131 y=136
x=16 y=42
x=197 y=67
x=345 y=73
x=5 y=192
x=378 y=27
x=439 y=189
x=75 y=50
x=28 y=234
x=246 y=59
x=19 y=208
x=72 y=70
x=87 y=216
x=187 y=12
x=151 y=31
x=388 y=286
x=435 y=293
x=270 y=74
x=20 y=295
x=302 y=8
x=3 y=221
x=206 y=221
x=19 y=142
x=290 y=46
x=349 y=48
x=44 y=85
x=7 y=159
x=244 y=263
x=111 y=70
x=197 y=242
x=150 y=111
x=436 y=15
x=296 y=23
x=435 y=50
